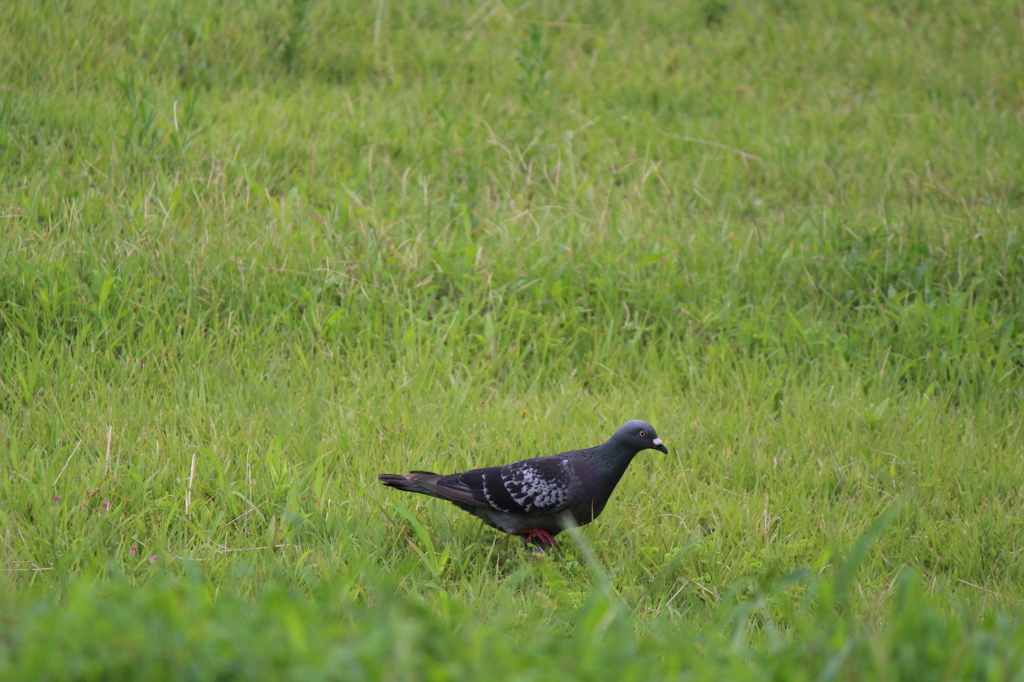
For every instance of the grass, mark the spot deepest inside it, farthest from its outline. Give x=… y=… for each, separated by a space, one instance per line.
x=252 y=255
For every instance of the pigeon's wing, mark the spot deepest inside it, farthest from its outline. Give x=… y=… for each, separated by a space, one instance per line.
x=527 y=488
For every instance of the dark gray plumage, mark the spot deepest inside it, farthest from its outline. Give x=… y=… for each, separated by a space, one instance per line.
x=539 y=497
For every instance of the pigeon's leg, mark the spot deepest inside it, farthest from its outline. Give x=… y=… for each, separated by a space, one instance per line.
x=538 y=536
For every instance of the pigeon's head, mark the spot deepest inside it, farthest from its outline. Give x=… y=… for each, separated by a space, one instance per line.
x=638 y=435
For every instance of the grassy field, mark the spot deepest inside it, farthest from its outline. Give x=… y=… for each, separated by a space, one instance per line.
x=252 y=254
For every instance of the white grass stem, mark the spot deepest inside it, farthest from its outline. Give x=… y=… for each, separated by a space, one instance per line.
x=106 y=464
x=191 y=477
x=978 y=587
x=377 y=22
x=68 y=461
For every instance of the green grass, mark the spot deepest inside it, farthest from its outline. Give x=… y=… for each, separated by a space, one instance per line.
x=253 y=254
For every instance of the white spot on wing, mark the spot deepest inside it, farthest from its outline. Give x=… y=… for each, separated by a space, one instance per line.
x=487 y=496
x=532 y=490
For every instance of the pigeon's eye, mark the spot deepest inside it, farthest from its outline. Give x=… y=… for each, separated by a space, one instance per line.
x=642 y=434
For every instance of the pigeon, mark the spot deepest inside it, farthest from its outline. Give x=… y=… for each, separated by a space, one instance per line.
x=539 y=497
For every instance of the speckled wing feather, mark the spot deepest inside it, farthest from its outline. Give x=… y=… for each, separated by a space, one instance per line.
x=530 y=487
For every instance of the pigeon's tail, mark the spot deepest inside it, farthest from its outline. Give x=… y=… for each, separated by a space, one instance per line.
x=410 y=482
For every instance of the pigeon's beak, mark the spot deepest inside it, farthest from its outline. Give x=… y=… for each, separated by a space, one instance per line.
x=658 y=445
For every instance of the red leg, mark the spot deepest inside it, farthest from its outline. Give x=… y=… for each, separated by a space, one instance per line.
x=546 y=539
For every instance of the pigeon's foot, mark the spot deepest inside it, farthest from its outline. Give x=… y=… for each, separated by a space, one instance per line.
x=538 y=536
